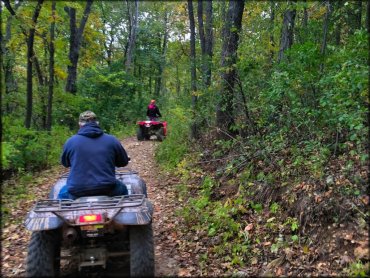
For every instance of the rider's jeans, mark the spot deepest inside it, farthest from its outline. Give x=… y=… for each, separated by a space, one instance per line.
x=118 y=190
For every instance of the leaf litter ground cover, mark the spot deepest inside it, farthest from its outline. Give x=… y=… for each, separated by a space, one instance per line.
x=185 y=248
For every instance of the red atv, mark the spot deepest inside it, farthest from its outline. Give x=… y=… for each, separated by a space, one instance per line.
x=151 y=127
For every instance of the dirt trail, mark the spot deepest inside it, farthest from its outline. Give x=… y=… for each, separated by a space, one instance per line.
x=160 y=192
x=169 y=260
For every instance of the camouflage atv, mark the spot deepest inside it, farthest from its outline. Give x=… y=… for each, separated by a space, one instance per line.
x=92 y=230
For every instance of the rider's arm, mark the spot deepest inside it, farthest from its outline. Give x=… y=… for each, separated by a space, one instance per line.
x=65 y=158
x=158 y=113
x=121 y=158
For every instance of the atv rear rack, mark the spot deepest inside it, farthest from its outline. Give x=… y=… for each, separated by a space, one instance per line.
x=66 y=205
x=119 y=171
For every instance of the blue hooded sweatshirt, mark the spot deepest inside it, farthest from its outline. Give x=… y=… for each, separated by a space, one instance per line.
x=92 y=156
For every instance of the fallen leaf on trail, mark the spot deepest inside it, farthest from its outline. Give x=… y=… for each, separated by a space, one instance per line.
x=184 y=272
x=275 y=263
x=305 y=249
x=248 y=227
x=361 y=253
x=348 y=236
x=254 y=261
x=279 y=271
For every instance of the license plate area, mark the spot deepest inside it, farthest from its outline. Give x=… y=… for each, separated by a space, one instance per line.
x=92 y=230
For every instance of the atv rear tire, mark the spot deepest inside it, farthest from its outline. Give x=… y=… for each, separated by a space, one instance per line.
x=43 y=258
x=140 y=134
x=160 y=134
x=141 y=251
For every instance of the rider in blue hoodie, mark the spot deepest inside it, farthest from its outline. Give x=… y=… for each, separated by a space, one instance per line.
x=92 y=156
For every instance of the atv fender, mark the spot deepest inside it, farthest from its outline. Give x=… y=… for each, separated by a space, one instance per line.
x=42 y=221
x=140 y=215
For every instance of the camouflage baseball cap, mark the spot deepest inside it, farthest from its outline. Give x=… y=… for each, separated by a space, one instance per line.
x=87 y=116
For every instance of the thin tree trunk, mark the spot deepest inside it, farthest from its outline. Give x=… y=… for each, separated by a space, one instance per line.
x=177 y=81
x=39 y=74
x=325 y=32
x=206 y=39
x=358 y=11
x=287 y=33
x=367 y=21
x=150 y=85
x=51 y=69
x=209 y=41
x=163 y=49
x=201 y=37
x=337 y=21
x=194 y=98
x=133 y=17
x=230 y=34
x=30 y=41
x=7 y=57
x=305 y=15
x=192 y=53
x=272 y=40
x=75 y=44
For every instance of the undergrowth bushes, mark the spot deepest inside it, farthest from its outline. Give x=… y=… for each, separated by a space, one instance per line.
x=31 y=150
x=173 y=149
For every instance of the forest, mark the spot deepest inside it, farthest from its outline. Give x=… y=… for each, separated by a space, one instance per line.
x=267 y=107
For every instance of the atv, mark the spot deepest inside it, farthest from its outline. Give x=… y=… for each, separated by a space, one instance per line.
x=92 y=231
x=151 y=127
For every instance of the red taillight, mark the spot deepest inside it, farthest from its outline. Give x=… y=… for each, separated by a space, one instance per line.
x=90 y=218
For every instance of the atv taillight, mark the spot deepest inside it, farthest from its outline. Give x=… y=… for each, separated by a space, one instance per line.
x=88 y=218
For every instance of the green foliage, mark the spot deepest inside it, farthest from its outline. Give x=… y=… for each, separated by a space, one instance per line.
x=292 y=223
x=274 y=207
x=117 y=101
x=172 y=150
x=357 y=269
x=28 y=149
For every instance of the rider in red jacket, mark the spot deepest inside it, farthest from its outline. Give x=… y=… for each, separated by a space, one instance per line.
x=153 y=111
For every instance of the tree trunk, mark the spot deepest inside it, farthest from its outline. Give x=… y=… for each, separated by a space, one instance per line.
x=206 y=40
x=272 y=40
x=177 y=80
x=162 y=46
x=7 y=57
x=192 y=53
x=133 y=18
x=230 y=34
x=337 y=21
x=75 y=44
x=287 y=32
x=325 y=32
x=209 y=41
x=51 y=69
x=358 y=17
x=150 y=85
x=30 y=41
x=367 y=21
x=201 y=36
x=305 y=16
x=194 y=98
